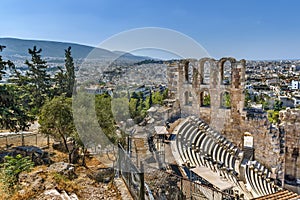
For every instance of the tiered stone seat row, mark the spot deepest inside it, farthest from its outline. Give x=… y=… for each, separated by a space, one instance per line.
x=259 y=179
x=199 y=145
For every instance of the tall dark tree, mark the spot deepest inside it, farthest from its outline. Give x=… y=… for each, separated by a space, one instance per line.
x=38 y=77
x=35 y=85
x=65 y=80
x=60 y=83
x=70 y=74
x=13 y=116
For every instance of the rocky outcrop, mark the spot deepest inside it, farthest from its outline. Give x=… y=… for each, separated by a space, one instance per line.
x=37 y=155
x=104 y=175
x=53 y=194
x=65 y=169
x=52 y=182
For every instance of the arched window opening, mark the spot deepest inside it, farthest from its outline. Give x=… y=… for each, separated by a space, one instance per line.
x=186 y=71
x=295 y=153
x=205 y=99
x=226 y=73
x=191 y=72
x=206 y=73
x=225 y=100
x=186 y=98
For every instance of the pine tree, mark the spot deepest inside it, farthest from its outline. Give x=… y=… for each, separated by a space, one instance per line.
x=39 y=79
x=13 y=116
x=4 y=64
x=35 y=84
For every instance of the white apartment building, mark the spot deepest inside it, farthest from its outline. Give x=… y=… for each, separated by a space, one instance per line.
x=295 y=85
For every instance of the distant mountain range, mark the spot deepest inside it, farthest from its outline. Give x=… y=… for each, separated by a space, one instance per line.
x=18 y=48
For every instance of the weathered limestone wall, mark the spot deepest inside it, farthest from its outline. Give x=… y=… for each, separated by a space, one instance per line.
x=266 y=142
x=290 y=124
x=172 y=76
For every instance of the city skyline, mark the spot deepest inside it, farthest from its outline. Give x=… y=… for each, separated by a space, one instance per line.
x=252 y=30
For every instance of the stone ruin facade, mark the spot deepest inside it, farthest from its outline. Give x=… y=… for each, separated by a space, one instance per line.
x=210 y=89
x=214 y=91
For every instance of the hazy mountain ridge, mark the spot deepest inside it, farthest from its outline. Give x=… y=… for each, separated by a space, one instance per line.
x=18 y=48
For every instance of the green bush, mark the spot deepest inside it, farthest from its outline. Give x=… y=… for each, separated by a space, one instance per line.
x=11 y=168
x=273 y=116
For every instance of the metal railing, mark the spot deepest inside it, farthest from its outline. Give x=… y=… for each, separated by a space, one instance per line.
x=132 y=176
x=153 y=183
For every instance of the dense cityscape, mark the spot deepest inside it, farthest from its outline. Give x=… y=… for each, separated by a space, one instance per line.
x=146 y=100
x=158 y=97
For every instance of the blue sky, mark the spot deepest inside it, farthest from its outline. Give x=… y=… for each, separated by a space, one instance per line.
x=243 y=29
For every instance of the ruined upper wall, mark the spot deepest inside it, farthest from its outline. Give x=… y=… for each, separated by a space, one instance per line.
x=191 y=81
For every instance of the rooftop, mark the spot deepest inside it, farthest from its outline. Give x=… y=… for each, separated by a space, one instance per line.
x=280 y=195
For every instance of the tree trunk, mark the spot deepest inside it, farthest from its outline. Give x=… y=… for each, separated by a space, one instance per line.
x=65 y=143
x=73 y=155
x=64 y=140
x=66 y=146
x=83 y=158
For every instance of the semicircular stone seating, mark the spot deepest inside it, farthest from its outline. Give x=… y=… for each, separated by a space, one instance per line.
x=258 y=177
x=200 y=145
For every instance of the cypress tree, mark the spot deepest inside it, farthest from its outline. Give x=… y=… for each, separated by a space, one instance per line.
x=70 y=72
x=65 y=80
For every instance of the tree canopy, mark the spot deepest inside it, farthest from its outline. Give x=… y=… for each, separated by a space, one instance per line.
x=13 y=115
x=56 y=119
x=35 y=84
